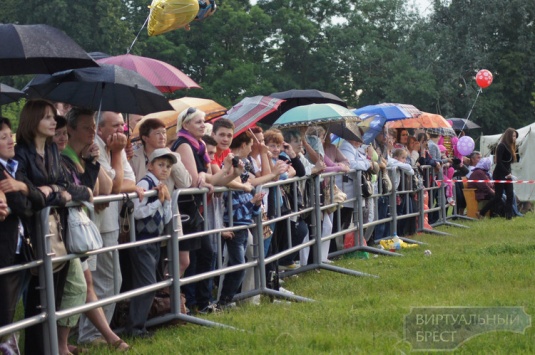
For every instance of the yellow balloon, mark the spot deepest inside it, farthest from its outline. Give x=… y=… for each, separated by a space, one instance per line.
x=168 y=15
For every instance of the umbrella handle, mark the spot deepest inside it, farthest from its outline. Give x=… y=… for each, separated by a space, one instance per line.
x=254 y=135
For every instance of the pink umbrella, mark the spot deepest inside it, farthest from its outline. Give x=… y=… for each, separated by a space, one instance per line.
x=164 y=76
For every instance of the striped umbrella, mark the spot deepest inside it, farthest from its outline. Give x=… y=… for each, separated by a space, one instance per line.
x=251 y=110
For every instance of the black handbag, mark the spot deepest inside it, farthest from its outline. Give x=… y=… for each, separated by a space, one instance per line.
x=27 y=253
x=189 y=206
x=367 y=187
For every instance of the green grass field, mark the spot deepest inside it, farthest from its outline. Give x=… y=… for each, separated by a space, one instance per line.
x=489 y=265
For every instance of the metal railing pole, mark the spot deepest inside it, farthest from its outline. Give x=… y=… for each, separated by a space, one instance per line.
x=46 y=284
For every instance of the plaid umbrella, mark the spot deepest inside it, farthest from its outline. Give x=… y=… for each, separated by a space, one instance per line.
x=251 y=110
x=446 y=132
x=425 y=120
x=163 y=76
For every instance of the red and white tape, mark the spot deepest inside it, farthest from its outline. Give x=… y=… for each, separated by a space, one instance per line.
x=496 y=181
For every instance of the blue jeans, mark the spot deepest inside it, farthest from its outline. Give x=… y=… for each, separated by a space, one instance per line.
x=382 y=230
x=299 y=231
x=267 y=243
x=201 y=261
x=236 y=256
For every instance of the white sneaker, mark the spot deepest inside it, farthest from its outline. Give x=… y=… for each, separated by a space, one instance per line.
x=255 y=300
x=281 y=302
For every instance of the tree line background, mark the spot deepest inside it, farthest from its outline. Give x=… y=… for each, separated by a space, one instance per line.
x=365 y=51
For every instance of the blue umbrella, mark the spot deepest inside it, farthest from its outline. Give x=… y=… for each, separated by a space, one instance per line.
x=371 y=125
x=390 y=111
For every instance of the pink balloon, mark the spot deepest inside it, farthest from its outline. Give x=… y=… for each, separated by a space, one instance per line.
x=465 y=145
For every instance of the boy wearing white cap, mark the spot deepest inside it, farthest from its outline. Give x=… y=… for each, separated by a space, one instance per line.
x=151 y=215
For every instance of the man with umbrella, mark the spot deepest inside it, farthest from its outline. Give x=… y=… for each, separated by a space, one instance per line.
x=112 y=142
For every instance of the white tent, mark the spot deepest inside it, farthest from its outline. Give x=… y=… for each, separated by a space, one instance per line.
x=525 y=168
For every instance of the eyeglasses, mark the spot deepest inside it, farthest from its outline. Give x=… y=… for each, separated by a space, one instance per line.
x=405 y=135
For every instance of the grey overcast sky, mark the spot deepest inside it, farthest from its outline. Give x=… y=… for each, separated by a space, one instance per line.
x=423 y=5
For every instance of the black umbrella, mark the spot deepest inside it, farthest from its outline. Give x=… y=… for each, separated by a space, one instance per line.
x=307 y=97
x=98 y=55
x=9 y=94
x=460 y=124
x=39 y=49
x=299 y=98
x=106 y=88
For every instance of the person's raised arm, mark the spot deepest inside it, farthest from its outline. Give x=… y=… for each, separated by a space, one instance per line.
x=226 y=175
x=266 y=163
x=186 y=153
x=312 y=154
x=116 y=143
x=180 y=175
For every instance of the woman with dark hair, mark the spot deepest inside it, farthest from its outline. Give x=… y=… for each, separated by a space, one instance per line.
x=402 y=138
x=506 y=154
x=40 y=162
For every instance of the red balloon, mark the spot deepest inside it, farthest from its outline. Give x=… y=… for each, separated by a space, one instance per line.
x=484 y=78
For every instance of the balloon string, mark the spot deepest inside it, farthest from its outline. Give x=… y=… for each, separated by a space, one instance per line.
x=470 y=112
x=135 y=39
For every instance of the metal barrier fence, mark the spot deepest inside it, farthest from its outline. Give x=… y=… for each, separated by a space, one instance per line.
x=258 y=262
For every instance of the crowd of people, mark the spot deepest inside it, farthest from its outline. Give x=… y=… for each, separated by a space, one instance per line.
x=65 y=153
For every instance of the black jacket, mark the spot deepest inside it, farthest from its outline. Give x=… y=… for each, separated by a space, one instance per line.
x=504 y=158
x=49 y=171
x=22 y=207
